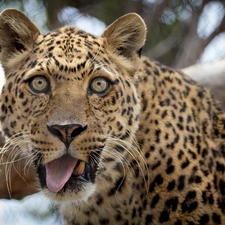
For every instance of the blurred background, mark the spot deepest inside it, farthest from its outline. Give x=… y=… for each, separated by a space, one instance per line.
x=180 y=33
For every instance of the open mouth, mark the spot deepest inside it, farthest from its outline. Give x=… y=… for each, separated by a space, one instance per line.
x=65 y=173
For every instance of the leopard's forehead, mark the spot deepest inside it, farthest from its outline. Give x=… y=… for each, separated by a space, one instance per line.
x=67 y=50
x=69 y=44
x=69 y=40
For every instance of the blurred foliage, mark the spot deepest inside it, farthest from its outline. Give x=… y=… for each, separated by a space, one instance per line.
x=173 y=25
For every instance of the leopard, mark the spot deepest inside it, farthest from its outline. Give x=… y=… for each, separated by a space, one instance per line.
x=115 y=137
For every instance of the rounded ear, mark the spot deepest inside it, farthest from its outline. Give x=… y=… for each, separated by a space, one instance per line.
x=17 y=34
x=126 y=36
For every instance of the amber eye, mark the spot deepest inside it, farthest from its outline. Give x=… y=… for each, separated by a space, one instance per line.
x=99 y=85
x=39 y=84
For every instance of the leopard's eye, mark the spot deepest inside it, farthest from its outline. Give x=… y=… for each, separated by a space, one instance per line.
x=39 y=84
x=99 y=85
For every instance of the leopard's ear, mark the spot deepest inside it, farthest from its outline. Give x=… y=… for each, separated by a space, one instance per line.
x=17 y=35
x=126 y=36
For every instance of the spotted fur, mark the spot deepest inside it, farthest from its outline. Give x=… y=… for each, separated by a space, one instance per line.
x=152 y=140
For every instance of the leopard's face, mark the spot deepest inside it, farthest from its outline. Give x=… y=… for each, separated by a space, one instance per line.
x=70 y=103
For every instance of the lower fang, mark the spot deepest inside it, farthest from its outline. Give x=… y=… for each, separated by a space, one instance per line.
x=79 y=169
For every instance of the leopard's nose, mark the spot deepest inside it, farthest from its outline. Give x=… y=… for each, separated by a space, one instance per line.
x=66 y=133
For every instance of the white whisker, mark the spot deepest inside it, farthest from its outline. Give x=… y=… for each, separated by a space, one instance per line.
x=12 y=153
x=134 y=151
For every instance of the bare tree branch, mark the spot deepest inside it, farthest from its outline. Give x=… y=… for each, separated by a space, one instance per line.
x=192 y=45
x=220 y=28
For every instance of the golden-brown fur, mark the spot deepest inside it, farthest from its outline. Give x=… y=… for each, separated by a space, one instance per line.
x=151 y=139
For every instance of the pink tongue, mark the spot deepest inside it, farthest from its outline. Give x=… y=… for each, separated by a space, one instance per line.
x=59 y=171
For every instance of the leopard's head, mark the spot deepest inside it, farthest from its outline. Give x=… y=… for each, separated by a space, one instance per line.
x=69 y=101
